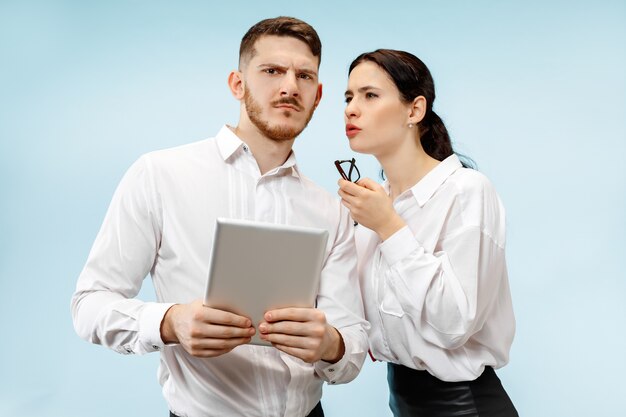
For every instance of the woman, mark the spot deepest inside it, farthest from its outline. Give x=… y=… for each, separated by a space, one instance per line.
x=431 y=248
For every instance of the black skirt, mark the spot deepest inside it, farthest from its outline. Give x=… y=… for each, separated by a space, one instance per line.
x=419 y=394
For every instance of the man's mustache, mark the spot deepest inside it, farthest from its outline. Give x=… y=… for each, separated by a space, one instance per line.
x=288 y=100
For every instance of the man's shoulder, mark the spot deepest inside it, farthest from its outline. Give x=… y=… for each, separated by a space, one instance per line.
x=314 y=188
x=187 y=149
x=180 y=155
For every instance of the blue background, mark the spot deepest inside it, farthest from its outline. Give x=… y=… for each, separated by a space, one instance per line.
x=533 y=92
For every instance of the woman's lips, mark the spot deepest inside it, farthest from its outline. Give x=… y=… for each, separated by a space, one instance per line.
x=352 y=130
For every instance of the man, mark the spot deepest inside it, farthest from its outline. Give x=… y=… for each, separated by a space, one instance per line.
x=161 y=221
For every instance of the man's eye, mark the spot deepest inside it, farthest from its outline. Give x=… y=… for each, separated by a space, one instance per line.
x=271 y=71
x=306 y=77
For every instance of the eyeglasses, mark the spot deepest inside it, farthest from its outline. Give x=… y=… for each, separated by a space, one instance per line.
x=350 y=166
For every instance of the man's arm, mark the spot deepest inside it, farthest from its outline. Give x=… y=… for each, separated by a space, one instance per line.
x=104 y=308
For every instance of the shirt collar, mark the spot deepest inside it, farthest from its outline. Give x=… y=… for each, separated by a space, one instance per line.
x=229 y=143
x=426 y=187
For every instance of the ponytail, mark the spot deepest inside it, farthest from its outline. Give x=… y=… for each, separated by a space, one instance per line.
x=436 y=140
x=434 y=137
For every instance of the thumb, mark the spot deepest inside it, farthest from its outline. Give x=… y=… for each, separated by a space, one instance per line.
x=369 y=184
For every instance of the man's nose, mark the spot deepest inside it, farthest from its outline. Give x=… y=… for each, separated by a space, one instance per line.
x=289 y=86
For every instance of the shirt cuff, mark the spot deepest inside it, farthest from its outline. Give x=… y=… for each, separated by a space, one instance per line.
x=399 y=245
x=150 y=326
x=331 y=372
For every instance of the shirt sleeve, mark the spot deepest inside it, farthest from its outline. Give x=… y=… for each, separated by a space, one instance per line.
x=447 y=294
x=103 y=306
x=340 y=299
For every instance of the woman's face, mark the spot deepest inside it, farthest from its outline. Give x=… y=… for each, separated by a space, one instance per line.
x=376 y=119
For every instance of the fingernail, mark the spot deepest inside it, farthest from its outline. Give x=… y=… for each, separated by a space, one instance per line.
x=263 y=328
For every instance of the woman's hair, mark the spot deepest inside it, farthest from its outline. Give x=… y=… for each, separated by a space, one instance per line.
x=412 y=78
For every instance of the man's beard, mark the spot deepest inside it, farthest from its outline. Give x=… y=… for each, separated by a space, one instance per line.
x=277 y=133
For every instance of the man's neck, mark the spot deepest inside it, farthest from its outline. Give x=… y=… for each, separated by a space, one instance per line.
x=268 y=153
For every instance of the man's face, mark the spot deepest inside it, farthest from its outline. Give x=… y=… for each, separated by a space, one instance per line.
x=280 y=86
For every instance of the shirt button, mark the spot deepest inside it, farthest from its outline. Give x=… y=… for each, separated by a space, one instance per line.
x=155 y=347
x=331 y=370
x=245 y=148
x=331 y=382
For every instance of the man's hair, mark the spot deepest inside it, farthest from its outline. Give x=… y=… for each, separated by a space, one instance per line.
x=279 y=26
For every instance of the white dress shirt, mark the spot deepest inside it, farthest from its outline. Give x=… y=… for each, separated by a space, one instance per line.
x=436 y=292
x=161 y=221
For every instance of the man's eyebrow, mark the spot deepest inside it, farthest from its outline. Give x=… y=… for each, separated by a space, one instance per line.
x=362 y=89
x=271 y=65
x=306 y=70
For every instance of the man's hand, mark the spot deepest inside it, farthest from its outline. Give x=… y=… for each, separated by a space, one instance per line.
x=303 y=333
x=204 y=331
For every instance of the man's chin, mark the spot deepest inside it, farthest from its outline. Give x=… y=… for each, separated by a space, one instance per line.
x=283 y=132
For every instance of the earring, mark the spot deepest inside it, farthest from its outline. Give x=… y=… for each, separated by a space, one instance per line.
x=410 y=125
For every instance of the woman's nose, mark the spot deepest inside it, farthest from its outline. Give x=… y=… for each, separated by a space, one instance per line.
x=352 y=110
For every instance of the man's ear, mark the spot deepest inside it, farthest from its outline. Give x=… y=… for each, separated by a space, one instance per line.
x=318 y=97
x=235 y=83
x=417 y=111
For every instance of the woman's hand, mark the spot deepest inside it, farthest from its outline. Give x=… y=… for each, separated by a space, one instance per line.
x=370 y=205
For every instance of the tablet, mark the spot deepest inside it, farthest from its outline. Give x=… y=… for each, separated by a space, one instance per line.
x=256 y=267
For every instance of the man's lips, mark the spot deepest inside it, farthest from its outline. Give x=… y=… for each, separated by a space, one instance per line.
x=352 y=130
x=287 y=106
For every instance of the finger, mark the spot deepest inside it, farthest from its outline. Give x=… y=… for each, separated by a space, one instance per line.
x=291 y=341
x=341 y=182
x=223 y=332
x=294 y=314
x=369 y=184
x=293 y=328
x=197 y=345
x=216 y=316
x=344 y=190
x=349 y=198
x=208 y=350
x=351 y=188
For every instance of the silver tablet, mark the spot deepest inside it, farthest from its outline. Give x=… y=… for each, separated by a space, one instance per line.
x=256 y=267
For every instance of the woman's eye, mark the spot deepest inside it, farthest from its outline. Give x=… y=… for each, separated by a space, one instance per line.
x=370 y=95
x=348 y=100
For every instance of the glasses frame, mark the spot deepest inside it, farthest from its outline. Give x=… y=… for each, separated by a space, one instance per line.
x=348 y=177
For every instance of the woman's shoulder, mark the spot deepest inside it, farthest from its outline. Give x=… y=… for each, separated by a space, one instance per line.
x=472 y=182
x=479 y=202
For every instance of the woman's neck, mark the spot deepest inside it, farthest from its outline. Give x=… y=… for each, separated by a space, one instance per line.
x=405 y=168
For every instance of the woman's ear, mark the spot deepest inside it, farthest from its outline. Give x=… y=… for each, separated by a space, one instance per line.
x=235 y=83
x=417 y=111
